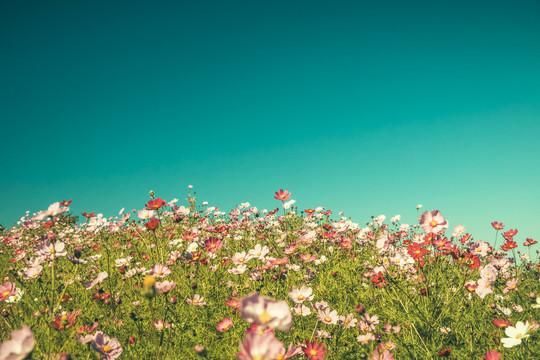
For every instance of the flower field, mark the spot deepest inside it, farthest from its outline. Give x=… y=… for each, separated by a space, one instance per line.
x=172 y=281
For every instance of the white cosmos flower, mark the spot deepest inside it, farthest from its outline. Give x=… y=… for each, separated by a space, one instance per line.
x=537 y=305
x=516 y=334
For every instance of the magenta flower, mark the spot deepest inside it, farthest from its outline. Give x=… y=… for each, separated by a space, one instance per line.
x=109 y=348
x=21 y=344
x=433 y=222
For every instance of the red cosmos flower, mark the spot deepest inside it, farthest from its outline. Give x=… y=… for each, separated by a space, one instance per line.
x=445 y=352
x=497 y=225
x=155 y=204
x=416 y=251
x=47 y=224
x=273 y=211
x=492 y=355
x=472 y=261
x=66 y=202
x=510 y=234
x=529 y=242
x=471 y=287
x=131 y=340
x=213 y=244
x=281 y=261
x=501 y=323
x=233 y=303
x=309 y=211
x=62 y=322
x=152 y=224
x=91 y=215
x=378 y=280
x=282 y=195
x=314 y=351
x=508 y=245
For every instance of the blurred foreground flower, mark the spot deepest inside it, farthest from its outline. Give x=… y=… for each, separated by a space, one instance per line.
x=21 y=344
x=266 y=312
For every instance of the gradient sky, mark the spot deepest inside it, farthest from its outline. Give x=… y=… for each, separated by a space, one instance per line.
x=366 y=107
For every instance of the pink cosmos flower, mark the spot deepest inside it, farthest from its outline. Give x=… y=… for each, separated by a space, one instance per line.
x=164 y=287
x=159 y=270
x=33 y=272
x=21 y=344
x=433 y=222
x=328 y=317
x=364 y=339
x=224 y=324
x=197 y=300
x=511 y=285
x=109 y=348
x=241 y=257
x=282 y=195
x=266 y=312
x=260 y=347
x=497 y=225
x=484 y=288
x=160 y=325
x=381 y=356
x=348 y=321
x=53 y=210
x=98 y=279
x=7 y=290
x=493 y=355
x=302 y=294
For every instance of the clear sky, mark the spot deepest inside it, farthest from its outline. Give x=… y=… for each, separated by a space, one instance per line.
x=367 y=107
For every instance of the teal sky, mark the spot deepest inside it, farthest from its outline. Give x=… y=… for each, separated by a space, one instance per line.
x=366 y=107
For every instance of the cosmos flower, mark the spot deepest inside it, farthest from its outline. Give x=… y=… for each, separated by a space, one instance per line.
x=266 y=312
x=260 y=347
x=302 y=294
x=159 y=270
x=516 y=334
x=53 y=210
x=433 y=222
x=21 y=344
x=7 y=290
x=282 y=195
x=164 y=287
x=224 y=324
x=98 y=279
x=197 y=300
x=108 y=348
x=314 y=351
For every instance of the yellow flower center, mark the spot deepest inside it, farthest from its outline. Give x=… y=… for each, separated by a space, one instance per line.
x=241 y=260
x=519 y=336
x=301 y=297
x=327 y=319
x=280 y=357
x=257 y=357
x=433 y=223
x=313 y=352
x=5 y=293
x=265 y=317
x=52 y=251
x=107 y=348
